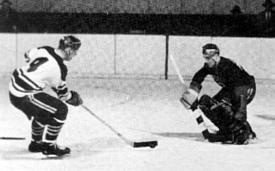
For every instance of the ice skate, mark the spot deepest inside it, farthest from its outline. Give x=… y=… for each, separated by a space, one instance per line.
x=35 y=147
x=54 y=149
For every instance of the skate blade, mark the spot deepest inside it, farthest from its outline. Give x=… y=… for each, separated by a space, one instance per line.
x=55 y=157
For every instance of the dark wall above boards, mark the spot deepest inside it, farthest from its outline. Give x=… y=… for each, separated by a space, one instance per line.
x=176 y=24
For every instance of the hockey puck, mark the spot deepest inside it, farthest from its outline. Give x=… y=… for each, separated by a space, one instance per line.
x=154 y=144
x=151 y=144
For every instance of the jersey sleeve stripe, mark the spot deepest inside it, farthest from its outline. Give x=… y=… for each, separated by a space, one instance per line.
x=18 y=82
x=29 y=81
x=17 y=87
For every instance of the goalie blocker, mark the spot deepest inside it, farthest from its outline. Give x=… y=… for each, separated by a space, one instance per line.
x=189 y=99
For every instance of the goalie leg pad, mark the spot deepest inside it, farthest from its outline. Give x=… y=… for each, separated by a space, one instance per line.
x=219 y=113
x=205 y=104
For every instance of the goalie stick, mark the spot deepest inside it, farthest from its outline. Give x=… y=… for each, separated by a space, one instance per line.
x=134 y=144
x=199 y=118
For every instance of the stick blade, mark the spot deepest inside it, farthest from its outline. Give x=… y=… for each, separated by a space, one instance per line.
x=151 y=144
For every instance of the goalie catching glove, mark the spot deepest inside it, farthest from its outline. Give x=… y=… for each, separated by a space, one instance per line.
x=75 y=99
x=189 y=99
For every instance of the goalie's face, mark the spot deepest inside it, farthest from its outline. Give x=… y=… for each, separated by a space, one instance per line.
x=211 y=58
x=209 y=61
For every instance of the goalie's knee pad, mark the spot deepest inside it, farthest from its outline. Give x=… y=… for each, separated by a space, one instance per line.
x=207 y=101
x=220 y=113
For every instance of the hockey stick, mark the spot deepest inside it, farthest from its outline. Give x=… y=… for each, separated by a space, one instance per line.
x=151 y=144
x=12 y=138
x=199 y=118
x=176 y=68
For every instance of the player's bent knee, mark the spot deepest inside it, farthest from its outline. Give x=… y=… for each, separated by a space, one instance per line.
x=43 y=119
x=61 y=113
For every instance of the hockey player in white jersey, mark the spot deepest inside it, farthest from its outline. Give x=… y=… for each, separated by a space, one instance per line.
x=45 y=68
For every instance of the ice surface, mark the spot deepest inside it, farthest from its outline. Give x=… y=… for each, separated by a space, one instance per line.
x=140 y=109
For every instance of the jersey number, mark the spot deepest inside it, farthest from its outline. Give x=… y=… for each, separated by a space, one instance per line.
x=36 y=63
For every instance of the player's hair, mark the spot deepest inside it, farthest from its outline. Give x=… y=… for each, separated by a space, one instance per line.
x=69 y=41
x=210 y=47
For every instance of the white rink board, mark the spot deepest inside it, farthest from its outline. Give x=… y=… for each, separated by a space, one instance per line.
x=95 y=55
x=187 y=53
x=28 y=41
x=140 y=54
x=7 y=53
x=255 y=55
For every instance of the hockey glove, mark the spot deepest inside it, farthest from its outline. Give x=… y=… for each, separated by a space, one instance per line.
x=75 y=99
x=189 y=99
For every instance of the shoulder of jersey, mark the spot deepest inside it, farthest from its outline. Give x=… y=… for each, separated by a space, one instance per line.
x=45 y=51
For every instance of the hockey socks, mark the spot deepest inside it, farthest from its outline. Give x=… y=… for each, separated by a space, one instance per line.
x=53 y=130
x=37 y=130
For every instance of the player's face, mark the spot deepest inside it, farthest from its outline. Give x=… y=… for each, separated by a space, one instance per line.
x=209 y=60
x=70 y=53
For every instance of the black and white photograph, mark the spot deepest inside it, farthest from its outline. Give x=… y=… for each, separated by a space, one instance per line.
x=137 y=85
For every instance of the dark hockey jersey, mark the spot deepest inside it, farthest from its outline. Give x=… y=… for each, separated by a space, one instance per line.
x=226 y=73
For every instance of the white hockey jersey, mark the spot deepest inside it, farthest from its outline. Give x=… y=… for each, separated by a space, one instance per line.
x=44 y=68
